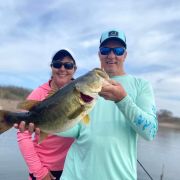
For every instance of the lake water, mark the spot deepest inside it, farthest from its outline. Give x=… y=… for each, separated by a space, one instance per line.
x=162 y=154
x=12 y=166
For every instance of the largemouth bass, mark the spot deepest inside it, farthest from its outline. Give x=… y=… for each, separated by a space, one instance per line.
x=62 y=109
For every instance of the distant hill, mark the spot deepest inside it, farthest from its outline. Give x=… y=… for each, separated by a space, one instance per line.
x=13 y=92
x=166 y=119
x=165 y=115
x=10 y=96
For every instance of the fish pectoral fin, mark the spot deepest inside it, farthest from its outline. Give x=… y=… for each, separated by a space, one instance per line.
x=53 y=91
x=42 y=136
x=28 y=104
x=86 y=119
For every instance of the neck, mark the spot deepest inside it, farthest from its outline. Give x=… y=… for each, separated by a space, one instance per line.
x=53 y=85
x=116 y=73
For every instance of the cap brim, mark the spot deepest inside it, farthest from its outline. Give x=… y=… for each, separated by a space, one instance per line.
x=113 y=38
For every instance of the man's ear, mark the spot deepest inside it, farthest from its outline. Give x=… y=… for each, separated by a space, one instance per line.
x=99 y=54
x=125 y=55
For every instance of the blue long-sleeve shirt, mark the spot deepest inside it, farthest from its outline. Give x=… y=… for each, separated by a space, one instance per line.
x=106 y=148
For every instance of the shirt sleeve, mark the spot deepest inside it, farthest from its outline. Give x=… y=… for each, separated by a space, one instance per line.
x=26 y=145
x=141 y=114
x=30 y=156
x=73 y=132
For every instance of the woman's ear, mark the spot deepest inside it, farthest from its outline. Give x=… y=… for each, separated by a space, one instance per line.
x=75 y=68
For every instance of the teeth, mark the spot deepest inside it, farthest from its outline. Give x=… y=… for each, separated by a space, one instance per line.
x=61 y=74
x=111 y=62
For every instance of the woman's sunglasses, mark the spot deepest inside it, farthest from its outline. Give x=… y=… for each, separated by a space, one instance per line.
x=58 y=65
x=118 y=51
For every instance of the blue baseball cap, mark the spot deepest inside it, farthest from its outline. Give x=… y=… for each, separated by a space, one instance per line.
x=113 y=34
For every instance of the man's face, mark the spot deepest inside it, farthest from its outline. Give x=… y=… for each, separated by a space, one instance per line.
x=112 y=63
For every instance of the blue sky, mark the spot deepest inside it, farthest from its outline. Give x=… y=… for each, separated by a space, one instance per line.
x=32 y=31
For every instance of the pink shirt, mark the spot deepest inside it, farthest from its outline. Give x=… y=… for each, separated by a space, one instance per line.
x=48 y=155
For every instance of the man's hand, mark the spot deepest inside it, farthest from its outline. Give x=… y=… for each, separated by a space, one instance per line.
x=113 y=91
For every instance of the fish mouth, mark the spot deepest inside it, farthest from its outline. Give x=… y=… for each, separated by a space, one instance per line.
x=86 y=98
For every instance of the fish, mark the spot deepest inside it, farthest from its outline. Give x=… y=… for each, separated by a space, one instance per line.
x=62 y=109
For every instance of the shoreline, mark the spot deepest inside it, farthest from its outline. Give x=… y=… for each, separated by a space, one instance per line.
x=169 y=125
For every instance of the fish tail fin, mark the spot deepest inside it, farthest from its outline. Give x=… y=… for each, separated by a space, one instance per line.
x=4 y=126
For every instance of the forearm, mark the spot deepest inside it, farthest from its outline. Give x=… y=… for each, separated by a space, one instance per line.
x=143 y=122
x=30 y=156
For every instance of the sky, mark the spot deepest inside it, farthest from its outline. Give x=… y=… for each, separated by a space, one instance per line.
x=32 y=31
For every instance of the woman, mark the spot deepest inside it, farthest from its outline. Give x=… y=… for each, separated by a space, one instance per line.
x=45 y=161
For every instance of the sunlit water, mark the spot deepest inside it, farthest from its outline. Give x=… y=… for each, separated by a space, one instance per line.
x=163 y=151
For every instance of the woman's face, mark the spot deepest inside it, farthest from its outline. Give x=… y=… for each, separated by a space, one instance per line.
x=61 y=76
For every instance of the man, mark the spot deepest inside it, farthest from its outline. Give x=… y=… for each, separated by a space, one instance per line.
x=106 y=149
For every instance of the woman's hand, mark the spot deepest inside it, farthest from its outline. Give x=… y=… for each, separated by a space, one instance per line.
x=22 y=127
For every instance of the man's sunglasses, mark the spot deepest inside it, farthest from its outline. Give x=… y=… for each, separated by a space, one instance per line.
x=67 y=65
x=118 y=51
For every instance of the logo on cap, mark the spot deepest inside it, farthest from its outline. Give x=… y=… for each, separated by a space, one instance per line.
x=113 y=33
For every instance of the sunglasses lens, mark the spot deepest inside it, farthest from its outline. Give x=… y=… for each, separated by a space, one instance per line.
x=67 y=65
x=105 y=50
x=57 y=65
x=119 y=51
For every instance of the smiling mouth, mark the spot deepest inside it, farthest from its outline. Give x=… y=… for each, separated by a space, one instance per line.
x=61 y=75
x=109 y=62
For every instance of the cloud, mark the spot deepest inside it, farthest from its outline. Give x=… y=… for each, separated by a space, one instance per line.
x=32 y=31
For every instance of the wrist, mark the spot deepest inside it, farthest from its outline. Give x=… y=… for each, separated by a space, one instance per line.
x=120 y=98
x=41 y=173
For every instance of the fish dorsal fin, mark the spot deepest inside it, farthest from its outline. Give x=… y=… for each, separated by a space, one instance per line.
x=53 y=90
x=42 y=136
x=28 y=104
x=50 y=93
x=86 y=119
